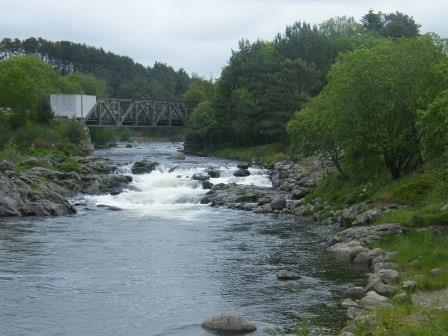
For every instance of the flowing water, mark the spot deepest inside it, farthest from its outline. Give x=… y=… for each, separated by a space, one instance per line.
x=165 y=262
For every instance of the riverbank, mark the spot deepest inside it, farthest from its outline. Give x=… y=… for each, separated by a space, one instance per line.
x=409 y=258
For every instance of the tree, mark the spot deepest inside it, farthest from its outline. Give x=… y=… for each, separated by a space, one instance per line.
x=392 y=25
x=373 y=22
x=17 y=91
x=85 y=83
x=374 y=95
x=44 y=113
x=399 y=25
x=433 y=128
x=312 y=130
x=203 y=125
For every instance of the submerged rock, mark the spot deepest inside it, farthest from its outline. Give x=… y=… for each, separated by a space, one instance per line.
x=229 y=323
x=287 y=275
x=144 y=167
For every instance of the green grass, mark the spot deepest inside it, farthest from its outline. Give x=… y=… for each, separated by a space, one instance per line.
x=342 y=192
x=403 y=319
x=418 y=252
x=264 y=154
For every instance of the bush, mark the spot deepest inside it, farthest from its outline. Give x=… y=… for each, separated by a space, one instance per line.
x=74 y=132
x=103 y=136
x=125 y=135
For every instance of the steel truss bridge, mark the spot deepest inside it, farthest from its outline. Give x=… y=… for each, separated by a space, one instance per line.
x=109 y=112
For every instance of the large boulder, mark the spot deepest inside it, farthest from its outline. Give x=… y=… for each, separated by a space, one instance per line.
x=372 y=298
x=241 y=173
x=144 y=167
x=278 y=204
x=230 y=323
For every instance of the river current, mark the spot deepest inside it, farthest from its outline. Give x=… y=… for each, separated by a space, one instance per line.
x=165 y=262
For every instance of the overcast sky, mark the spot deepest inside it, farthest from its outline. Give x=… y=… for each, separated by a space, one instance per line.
x=197 y=35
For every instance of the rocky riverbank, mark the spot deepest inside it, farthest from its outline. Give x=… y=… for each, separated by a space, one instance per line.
x=34 y=187
x=292 y=182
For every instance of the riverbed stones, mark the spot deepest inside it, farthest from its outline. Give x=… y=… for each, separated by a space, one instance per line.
x=285 y=275
x=241 y=173
x=144 y=167
x=229 y=323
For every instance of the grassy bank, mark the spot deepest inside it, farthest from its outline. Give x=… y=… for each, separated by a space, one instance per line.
x=264 y=154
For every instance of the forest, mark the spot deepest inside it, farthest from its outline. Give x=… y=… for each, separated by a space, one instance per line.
x=124 y=77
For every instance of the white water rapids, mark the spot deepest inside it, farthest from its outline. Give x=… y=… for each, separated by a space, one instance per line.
x=168 y=193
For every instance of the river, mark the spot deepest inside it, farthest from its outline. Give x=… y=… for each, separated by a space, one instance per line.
x=165 y=262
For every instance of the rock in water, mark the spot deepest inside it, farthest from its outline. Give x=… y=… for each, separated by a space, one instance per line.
x=214 y=173
x=229 y=323
x=177 y=156
x=200 y=177
x=243 y=165
x=287 y=275
x=144 y=167
x=241 y=173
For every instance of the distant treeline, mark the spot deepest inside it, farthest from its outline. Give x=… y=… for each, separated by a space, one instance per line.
x=123 y=77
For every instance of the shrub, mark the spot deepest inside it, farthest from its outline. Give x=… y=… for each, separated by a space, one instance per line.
x=103 y=136
x=70 y=165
